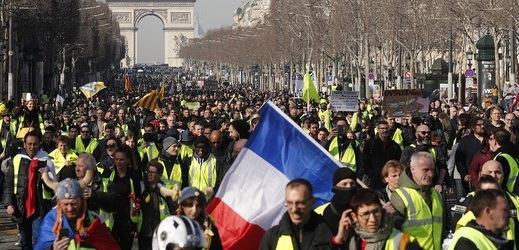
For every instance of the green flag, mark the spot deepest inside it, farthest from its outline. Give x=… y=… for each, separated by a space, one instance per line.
x=309 y=91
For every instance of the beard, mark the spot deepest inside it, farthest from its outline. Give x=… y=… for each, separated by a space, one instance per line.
x=423 y=140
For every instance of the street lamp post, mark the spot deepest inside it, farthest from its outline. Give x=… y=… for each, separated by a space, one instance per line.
x=470 y=57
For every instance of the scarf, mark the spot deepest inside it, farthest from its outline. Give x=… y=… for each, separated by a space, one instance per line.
x=30 y=202
x=377 y=240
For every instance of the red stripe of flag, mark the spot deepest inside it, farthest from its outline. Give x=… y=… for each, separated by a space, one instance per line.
x=235 y=231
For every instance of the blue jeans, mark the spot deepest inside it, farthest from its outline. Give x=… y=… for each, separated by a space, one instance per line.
x=460 y=191
x=29 y=229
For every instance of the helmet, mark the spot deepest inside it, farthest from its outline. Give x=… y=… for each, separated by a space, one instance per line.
x=178 y=230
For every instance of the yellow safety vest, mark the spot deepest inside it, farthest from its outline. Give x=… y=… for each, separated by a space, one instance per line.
x=422 y=223
x=514 y=171
x=107 y=217
x=16 y=164
x=141 y=153
x=202 y=176
x=469 y=216
x=175 y=178
x=397 y=137
x=320 y=209
x=285 y=242
x=185 y=151
x=327 y=118
x=478 y=238
x=510 y=233
x=40 y=121
x=13 y=126
x=152 y=152
x=393 y=241
x=3 y=140
x=80 y=147
x=348 y=156
x=431 y=150
x=59 y=161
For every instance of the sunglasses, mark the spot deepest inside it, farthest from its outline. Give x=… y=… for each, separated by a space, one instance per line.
x=425 y=132
x=111 y=145
x=85 y=131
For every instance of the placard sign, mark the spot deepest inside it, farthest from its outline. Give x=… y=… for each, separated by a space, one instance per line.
x=403 y=101
x=344 y=101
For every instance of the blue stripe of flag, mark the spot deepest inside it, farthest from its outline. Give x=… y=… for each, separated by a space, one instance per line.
x=279 y=141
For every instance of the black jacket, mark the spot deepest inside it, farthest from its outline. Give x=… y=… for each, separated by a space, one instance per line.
x=151 y=208
x=376 y=154
x=467 y=148
x=18 y=200
x=316 y=234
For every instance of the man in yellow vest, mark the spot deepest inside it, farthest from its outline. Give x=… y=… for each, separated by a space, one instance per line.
x=26 y=198
x=86 y=144
x=395 y=132
x=492 y=213
x=343 y=149
x=200 y=169
x=493 y=170
x=418 y=205
x=506 y=154
x=300 y=227
x=171 y=169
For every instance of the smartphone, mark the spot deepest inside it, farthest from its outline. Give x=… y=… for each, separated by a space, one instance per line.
x=63 y=233
x=340 y=130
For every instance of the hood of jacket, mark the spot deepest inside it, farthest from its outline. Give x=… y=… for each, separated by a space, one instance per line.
x=406 y=180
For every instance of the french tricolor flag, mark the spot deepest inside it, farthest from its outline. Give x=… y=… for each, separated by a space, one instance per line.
x=251 y=197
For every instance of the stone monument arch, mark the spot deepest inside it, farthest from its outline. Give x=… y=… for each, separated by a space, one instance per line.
x=177 y=17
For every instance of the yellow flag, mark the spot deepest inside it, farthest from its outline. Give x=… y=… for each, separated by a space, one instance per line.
x=309 y=91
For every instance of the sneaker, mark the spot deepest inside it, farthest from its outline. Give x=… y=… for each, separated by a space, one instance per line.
x=19 y=242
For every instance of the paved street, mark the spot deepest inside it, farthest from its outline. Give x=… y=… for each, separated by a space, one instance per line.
x=8 y=232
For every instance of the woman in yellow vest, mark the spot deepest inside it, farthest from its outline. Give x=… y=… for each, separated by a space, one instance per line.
x=373 y=226
x=192 y=204
x=125 y=180
x=64 y=159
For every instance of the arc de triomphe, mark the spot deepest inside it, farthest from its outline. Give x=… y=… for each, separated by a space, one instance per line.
x=176 y=15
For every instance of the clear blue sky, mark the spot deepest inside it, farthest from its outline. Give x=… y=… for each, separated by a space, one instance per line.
x=213 y=14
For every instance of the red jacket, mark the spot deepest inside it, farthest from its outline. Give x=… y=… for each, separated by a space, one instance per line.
x=479 y=159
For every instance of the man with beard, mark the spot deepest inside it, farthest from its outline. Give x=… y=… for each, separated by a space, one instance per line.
x=423 y=143
x=344 y=186
x=467 y=148
x=385 y=149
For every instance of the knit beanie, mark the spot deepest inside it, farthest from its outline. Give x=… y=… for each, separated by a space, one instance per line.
x=341 y=174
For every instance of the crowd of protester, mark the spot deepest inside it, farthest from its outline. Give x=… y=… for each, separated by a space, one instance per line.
x=140 y=166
